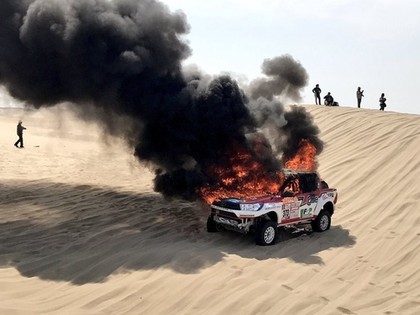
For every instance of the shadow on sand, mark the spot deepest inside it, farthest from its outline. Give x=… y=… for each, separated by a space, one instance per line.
x=83 y=234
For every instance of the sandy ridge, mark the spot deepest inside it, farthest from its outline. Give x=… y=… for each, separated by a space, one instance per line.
x=77 y=238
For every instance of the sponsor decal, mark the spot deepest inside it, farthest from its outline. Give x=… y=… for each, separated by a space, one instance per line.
x=292 y=205
x=312 y=199
x=306 y=212
x=290 y=210
x=289 y=199
x=327 y=195
x=294 y=213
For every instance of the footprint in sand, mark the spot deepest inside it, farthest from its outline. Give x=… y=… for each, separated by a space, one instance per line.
x=325 y=299
x=344 y=310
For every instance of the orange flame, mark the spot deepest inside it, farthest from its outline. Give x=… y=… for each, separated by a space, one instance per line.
x=305 y=157
x=243 y=175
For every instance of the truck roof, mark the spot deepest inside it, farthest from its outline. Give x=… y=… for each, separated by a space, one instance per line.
x=287 y=171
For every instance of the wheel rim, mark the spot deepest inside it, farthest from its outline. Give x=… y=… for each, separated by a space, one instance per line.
x=269 y=234
x=323 y=223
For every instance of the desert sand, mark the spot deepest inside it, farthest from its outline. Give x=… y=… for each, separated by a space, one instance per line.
x=83 y=232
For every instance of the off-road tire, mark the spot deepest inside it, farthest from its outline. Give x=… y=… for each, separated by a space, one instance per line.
x=266 y=233
x=322 y=222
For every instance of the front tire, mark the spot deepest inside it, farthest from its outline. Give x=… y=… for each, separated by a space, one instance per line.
x=212 y=225
x=322 y=222
x=266 y=233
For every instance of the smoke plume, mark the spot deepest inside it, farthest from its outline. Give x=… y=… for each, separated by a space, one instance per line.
x=124 y=58
x=284 y=77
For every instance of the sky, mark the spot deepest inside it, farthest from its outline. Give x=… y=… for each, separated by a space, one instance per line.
x=342 y=44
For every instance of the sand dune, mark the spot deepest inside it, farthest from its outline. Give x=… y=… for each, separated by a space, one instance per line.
x=82 y=232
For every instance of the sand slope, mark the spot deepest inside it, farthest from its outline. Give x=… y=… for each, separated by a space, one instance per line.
x=82 y=232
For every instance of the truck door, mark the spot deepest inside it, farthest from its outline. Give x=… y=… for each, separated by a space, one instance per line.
x=308 y=205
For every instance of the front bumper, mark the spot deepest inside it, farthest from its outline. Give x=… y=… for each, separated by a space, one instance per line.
x=231 y=221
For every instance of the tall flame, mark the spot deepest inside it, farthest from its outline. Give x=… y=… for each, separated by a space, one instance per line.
x=305 y=157
x=242 y=175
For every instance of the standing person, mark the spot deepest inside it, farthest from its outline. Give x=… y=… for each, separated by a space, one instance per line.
x=359 y=94
x=19 y=131
x=382 y=101
x=317 y=92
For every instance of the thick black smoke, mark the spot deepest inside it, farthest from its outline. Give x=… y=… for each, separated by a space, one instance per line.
x=90 y=50
x=124 y=58
x=284 y=77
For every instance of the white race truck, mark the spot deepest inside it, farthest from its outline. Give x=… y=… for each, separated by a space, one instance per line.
x=303 y=199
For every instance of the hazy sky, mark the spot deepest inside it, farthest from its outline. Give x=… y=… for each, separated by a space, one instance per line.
x=342 y=44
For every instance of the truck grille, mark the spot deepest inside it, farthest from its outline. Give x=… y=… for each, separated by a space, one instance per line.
x=224 y=214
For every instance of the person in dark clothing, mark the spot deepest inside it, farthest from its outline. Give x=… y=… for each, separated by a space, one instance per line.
x=382 y=101
x=329 y=100
x=19 y=131
x=359 y=94
x=317 y=92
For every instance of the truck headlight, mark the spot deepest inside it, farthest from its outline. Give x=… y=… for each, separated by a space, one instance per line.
x=251 y=206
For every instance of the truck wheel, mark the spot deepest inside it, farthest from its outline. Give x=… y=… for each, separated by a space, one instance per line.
x=322 y=222
x=212 y=226
x=266 y=233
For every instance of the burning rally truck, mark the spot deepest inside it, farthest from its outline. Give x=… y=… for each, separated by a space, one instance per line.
x=302 y=199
